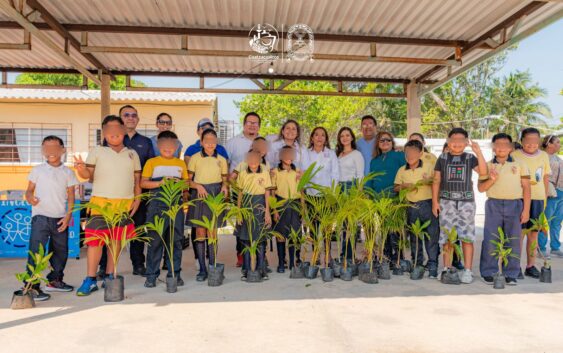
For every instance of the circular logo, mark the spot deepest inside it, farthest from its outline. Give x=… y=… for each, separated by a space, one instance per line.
x=15 y=226
x=300 y=42
x=263 y=38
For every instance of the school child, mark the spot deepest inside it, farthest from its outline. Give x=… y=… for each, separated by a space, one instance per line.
x=207 y=172
x=261 y=145
x=116 y=173
x=156 y=172
x=453 y=200
x=50 y=191
x=285 y=178
x=507 y=207
x=255 y=185
x=537 y=162
x=420 y=170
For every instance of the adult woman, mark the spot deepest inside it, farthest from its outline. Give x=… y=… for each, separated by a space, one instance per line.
x=319 y=152
x=290 y=135
x=385 y=160
x=551 y=145
x=351 y=168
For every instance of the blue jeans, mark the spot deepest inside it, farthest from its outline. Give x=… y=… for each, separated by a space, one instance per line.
x=44 y=231
x=553 y=209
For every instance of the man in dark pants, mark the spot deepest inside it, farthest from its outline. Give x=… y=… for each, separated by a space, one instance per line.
x=143 y=146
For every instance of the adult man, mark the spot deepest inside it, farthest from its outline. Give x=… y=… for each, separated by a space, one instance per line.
x=238 y=146
x=164 y=123
x=366 y=143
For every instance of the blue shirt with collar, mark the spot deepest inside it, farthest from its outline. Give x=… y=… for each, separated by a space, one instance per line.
x=196 y=147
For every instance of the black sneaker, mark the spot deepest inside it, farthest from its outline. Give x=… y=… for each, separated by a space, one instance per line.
x=139 y=271
x=265 y=276
x=511 y=281
x=150 y=283
x=532 y=272
x=488 y=279
x=202 y=276
x=281 y=269
x=520 y=274
x=38 y=295
x=450 y=276
x=180 y=281
x=58 y=286
x=432 y=271
x=243 y=277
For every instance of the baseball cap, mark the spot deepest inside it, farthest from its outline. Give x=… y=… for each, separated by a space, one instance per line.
x=203 y=122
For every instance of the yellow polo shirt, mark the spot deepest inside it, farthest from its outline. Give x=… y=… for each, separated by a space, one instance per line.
x=208 y=169
x=254 y=183
x=430 y=158
x=538 y=166
x=285 y=182
x=159 y=167
x=509 y=181
x=114 y=172
x=406 y=175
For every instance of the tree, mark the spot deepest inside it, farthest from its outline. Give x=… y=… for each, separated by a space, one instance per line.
x=70 y=80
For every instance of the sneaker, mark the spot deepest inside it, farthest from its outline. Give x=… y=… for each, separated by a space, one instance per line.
x=488 y=279
x=139 y=271
x=557 y=253
x=466 y=276
x=201 y=276
x=150 y=283
x=88 y=286
x=281 y=269
x=532 y=272
x=243 y=277
x=38 y=295
x=180 y=281
x=268 y=270
x=265 y=276
x=511 y=281
x=450 y=276
x=108 y=276
x=520 y=274
x=432 y=271
x=58 y=286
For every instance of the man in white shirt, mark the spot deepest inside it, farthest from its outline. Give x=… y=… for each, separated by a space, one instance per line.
x=366 y=143
x=238 y=146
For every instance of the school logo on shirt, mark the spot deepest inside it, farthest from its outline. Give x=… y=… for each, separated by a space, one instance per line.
x=261 y=181
x=514 y=169
x=130 y=155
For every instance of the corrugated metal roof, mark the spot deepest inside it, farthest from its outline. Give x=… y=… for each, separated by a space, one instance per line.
x=426 y=19
x=94 y=95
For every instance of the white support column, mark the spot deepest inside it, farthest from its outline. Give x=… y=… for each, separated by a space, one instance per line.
x=105 y=96
x=414 y=117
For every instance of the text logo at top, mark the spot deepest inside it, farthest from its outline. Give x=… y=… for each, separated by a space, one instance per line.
x=263 y=39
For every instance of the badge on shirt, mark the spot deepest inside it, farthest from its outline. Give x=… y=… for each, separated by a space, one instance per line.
x=514 y=169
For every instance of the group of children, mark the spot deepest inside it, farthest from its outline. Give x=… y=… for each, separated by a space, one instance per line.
x=440 y=191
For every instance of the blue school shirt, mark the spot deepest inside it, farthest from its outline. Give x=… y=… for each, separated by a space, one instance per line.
x=196 y=147
x=366 y=149
x=154 y=140
x=390 y=163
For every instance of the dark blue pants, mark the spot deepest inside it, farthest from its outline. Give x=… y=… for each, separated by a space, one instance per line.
x=44 y=231
x=506 y=215
x=423 y=210
x=260 y=265
x=156 y=245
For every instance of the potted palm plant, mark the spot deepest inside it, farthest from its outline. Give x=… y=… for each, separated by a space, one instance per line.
x=371 y=224
x=502 y=254
x=384 y=207
x=541 y=224
x=451 y=276
x=297 y=239
x=170 y=196
x=23 y=299
x=318 y=216
x=418 y=229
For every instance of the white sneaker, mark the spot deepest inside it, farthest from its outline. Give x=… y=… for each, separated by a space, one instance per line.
x=557 y=253
x=466 y=276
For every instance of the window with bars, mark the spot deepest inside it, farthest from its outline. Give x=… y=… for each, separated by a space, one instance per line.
x=21 y=143
x=95 y=133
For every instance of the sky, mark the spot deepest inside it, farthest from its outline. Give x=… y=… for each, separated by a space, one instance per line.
x=541 y=53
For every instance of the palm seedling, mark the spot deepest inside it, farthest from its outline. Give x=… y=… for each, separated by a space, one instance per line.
x=371 y=224
x=418 y=229
x=502 y=253
x=384 y=208
x=541 y=224
x=451 y=246
x=22 y=299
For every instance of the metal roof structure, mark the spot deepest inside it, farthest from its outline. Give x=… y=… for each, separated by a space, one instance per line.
x=393 y=41
x=95 y=95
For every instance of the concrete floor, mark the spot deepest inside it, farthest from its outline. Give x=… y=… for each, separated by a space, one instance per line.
x=285 y=315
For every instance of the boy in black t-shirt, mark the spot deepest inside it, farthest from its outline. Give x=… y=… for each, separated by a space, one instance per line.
x=453 y=199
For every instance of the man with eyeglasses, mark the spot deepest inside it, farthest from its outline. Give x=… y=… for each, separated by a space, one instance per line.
x=164 y=123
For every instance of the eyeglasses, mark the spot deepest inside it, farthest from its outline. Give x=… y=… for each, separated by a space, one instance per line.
x=252 y=123
x=385 y=140
x=164 y=122
x=130 y=115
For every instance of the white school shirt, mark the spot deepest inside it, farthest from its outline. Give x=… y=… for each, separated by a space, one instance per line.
x=351 y=166
x=237 y=148
x=273 y=156
x=51 y=184
x=327 y=162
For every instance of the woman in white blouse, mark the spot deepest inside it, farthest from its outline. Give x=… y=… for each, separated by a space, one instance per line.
x=351 y=167
x=290 y=135
x=350 y=160
x=319 y=152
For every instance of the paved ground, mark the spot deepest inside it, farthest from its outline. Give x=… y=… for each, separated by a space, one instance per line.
x=284 y=315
